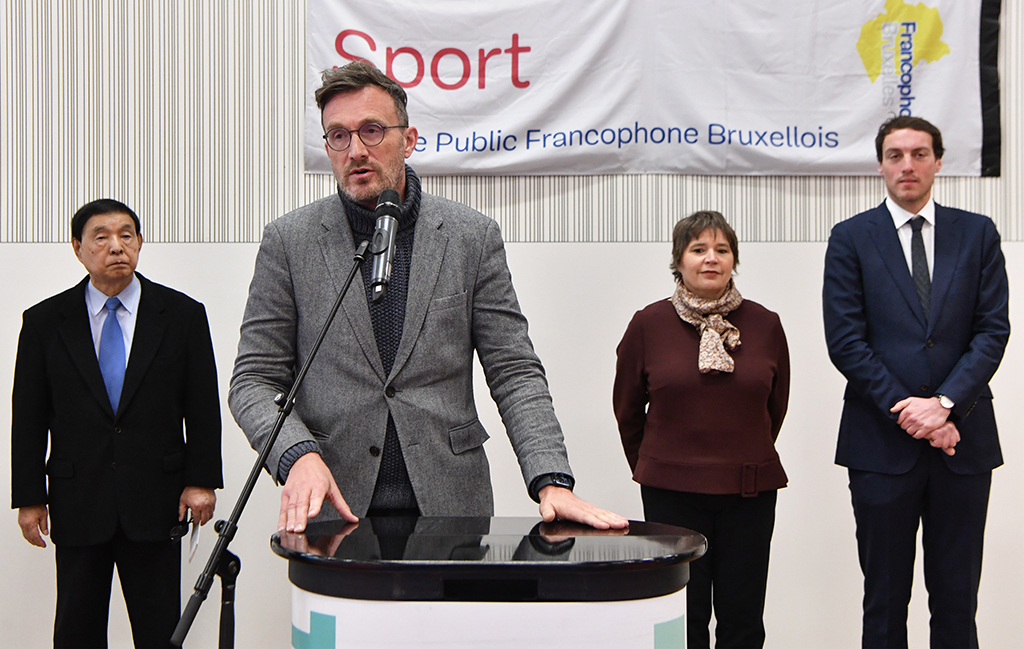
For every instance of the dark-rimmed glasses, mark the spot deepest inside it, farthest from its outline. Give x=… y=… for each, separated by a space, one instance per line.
x=371 y=134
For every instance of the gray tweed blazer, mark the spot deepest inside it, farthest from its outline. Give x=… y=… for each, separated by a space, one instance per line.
x=460 y=299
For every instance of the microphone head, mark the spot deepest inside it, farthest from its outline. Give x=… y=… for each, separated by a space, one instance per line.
x=389 y=202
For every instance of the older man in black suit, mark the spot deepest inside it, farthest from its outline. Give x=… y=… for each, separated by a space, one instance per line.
x=107 y=373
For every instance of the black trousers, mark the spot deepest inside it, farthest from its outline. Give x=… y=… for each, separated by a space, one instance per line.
x=150 y=575
x=733 y=574
x=952 y=509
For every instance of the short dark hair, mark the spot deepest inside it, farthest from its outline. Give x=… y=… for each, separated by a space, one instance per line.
x=911 y=122
x=96 y=208
x=355 y=76
x=692 y=227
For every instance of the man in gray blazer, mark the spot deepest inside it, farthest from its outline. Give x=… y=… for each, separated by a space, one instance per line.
x=386 y=413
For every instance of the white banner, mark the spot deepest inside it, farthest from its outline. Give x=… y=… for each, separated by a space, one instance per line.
x=529 y=87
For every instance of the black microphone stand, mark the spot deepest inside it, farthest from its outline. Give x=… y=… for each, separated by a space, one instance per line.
x=221 y=561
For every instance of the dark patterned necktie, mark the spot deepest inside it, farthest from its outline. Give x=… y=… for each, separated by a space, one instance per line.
x=919 y=265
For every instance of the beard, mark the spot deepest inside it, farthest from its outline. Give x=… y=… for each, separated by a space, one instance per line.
x=364 y=190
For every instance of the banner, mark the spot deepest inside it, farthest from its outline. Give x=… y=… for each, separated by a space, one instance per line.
x=524 y=87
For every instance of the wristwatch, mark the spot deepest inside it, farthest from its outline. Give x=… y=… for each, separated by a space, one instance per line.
x=558 y=479
x=945 y=401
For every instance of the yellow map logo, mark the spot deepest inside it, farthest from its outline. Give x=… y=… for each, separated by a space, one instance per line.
x=892 y=44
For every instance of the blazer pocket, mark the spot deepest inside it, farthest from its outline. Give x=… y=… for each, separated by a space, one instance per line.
x=56 y=468
x=447 y=302
x=467 y=437
x=174 y=462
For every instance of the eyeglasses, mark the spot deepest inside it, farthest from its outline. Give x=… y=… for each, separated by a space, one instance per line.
x=370 y=134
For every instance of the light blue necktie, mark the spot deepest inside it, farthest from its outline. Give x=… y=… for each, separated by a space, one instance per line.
x=112 y=357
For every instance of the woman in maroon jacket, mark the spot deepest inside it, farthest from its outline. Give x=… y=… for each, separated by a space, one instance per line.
x=701 y=389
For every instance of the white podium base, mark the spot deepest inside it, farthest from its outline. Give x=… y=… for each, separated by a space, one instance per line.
x=320 y=622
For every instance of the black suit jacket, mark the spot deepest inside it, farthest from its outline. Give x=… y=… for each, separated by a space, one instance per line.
x=879 y=338
x=107 y=468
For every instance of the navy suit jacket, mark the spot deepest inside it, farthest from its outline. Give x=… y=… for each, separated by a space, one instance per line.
x=879 y=338
x=107 y=468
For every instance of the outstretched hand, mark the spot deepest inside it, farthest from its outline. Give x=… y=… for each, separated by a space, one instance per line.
x=309 y=483
x=559 y=503
x=326 y=546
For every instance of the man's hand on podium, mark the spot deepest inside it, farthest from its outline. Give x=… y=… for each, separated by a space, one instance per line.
x=309 y=483
x=558 y=531
x=325 y=546
x=559 y=503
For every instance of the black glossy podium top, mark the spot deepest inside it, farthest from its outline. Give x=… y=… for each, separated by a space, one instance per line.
x=488 y=559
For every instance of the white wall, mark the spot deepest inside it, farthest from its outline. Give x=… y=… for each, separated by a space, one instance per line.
x=814 y=585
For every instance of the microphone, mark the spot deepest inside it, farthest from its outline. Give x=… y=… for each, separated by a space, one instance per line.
x=383 y=245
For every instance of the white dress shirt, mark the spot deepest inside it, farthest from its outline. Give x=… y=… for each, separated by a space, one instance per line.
x=96 y=305
x=901 y=219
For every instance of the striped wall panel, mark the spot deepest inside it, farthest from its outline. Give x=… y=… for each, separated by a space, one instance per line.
x=190 y=111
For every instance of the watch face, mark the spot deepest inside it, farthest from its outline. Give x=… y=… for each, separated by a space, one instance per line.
x=560 y=480
x=946 y=402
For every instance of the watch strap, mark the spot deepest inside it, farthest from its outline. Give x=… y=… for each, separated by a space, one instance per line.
x=563 y=480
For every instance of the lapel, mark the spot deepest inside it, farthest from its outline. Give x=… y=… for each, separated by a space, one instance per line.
x=150 y=326
x=76 y=334
x=884 y=236
x=427 y=254
x=947 y=256
x=338 y=249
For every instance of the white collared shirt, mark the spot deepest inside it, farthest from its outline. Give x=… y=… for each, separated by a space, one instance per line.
x=95 y=304
x=901 y=219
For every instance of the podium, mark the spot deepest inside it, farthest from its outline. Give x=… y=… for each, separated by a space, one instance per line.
x=490 y=582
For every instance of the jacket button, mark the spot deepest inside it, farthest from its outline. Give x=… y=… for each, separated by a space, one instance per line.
x=117 y=429
x=389 y=391
x=930 y=343
x=113 y=466
x=374 y=451
x=925 y=387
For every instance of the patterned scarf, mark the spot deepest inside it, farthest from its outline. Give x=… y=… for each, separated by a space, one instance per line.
x=708 y=317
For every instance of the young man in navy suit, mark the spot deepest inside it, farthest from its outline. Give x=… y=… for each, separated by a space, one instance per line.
x=916 y=319
x=111 y=375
